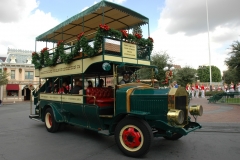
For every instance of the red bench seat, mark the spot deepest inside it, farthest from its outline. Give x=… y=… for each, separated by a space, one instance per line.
x=103 y=96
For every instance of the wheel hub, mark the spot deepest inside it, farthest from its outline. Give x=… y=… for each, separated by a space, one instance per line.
x=131 y=137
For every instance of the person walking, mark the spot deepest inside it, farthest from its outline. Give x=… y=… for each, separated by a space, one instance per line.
x=193 y=90
x=207 y=88
x=238 y=87
x=202 y=91
x=231 y=87
x=197 y=90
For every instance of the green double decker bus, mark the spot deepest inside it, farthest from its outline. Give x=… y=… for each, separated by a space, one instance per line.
x=80 y=69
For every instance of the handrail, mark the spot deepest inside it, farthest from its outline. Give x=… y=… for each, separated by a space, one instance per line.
x=91 y=96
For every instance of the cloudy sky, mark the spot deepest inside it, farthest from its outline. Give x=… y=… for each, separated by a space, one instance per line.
x=178 y=27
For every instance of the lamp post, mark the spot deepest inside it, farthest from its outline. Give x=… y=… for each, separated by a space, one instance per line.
x=168 y=73
x=210 y=70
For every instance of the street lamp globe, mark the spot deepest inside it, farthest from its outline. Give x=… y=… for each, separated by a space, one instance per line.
x=165 y=68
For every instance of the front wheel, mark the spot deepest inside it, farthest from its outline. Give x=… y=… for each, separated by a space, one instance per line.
x=133 y=136
x=50 y=123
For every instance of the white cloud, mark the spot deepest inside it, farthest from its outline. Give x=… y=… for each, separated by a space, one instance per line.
x=182 y=31
x=20 y=33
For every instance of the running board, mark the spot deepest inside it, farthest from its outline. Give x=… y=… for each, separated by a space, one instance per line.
x=106 y=116
x=104 y=132
x=35 y=117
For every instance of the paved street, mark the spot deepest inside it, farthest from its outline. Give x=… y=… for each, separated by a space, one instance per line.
x=25 y=139
x=217 y=113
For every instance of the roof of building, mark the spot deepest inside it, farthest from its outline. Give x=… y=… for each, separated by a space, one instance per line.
x=177 y=66
x=19 y=56
x=2 y=59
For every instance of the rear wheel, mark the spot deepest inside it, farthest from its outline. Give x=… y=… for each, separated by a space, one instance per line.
x=133 y=136
x=50 y=123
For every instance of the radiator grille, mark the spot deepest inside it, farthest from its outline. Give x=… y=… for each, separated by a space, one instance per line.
x=155 y=104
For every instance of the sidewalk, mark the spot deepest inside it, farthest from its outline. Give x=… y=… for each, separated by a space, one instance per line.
x=12 y=102
x=217 y=113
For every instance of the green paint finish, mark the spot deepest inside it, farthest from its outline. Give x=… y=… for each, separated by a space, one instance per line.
x=121 y=100
x=151 y=91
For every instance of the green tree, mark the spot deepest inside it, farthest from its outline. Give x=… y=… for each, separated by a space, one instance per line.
x=233 y=62
x=230 y=76
x=204 y=75
x=159 y=59
x=3 y=78
x=137 y=30
x=185 y=75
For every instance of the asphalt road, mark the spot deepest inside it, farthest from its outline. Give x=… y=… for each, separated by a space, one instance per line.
x=24 y=139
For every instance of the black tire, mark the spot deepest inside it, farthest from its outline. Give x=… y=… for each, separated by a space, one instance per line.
x=174 y=137
x=50 y=123
x=133 y=136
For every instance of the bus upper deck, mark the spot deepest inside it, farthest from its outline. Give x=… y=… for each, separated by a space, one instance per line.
x=100 y=33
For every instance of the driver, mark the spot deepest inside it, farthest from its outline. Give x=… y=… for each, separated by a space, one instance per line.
x=126 y=77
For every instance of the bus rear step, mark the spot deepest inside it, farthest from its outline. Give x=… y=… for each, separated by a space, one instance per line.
x=35 y=117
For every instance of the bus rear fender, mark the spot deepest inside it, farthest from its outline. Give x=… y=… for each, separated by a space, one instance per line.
x=57 y=115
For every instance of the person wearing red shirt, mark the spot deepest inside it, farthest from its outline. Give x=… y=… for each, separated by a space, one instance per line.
x=197 y=87
x=207 y=89
x=193 y=90
x=202 y=91
x=219 y=88
x=231 y=87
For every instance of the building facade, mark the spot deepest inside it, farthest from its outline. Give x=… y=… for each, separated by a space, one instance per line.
x=18 y=64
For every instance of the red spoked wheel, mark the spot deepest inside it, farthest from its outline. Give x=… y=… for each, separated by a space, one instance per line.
x=133 y=136
x=50 y=123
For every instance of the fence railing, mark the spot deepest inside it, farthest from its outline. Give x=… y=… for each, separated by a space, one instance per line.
x=225 y=97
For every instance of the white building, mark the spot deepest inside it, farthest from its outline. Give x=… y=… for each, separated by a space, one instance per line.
x=18 y=64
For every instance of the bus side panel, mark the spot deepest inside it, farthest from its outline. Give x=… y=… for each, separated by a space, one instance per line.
x=74 y=114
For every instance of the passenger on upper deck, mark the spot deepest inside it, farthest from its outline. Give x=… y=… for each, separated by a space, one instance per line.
x=101 y=82
x=77 y=87
x=49 y=88
x=126 y=77
x=90 y=84
x=63 y=89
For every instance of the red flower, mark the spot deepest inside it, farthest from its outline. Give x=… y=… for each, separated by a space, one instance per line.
x=104 y=27
x=59 y=42
x=80 y=36
x=139 y=36
x=44 y=49
x=5 y=69
x=124 y=33
x=150 y=39
x=33 y=53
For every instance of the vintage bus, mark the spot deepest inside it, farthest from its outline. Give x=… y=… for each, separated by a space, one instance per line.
x=96 y=45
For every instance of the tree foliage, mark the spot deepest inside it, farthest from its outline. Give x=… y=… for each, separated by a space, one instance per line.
x=204 y=74
x=159 y=59
x=230 y=76
x=137 y=30
x=233 y=62
x=3 y=78
x=185 y=75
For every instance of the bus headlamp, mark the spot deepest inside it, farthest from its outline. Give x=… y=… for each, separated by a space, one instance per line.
x=176 y=116
x=196 y=110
